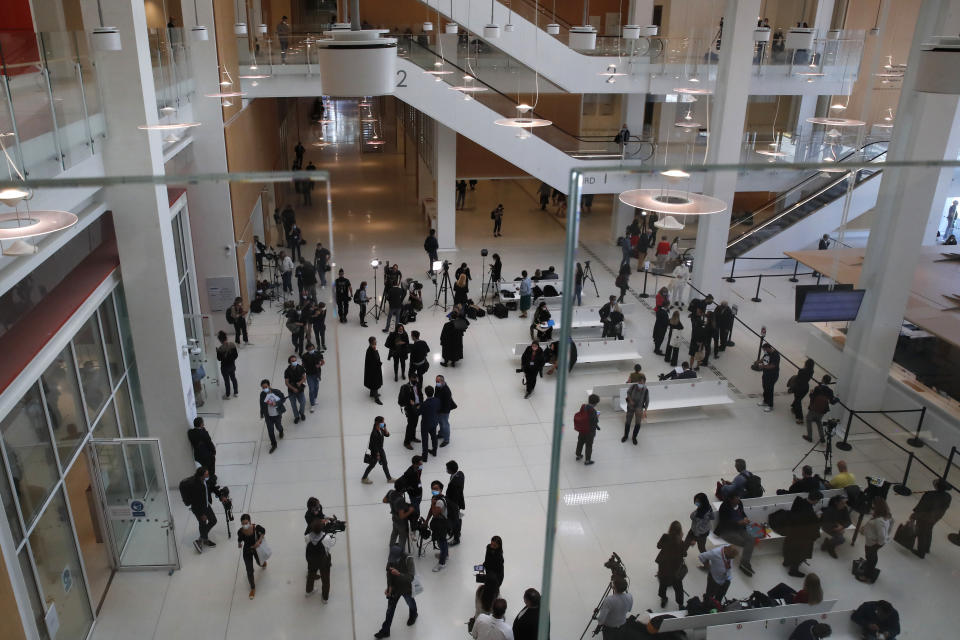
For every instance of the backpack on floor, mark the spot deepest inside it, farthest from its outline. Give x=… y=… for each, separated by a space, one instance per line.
x=500 y=310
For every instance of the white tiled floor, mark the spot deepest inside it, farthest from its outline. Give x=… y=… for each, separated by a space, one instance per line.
x=502 y=443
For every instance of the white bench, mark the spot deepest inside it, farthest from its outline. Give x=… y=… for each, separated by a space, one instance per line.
x=780 y=627
x=676 y=394
x=606 y=350
x=759 y=510
x=520 y=347
x=683 y=622
x=513 y=287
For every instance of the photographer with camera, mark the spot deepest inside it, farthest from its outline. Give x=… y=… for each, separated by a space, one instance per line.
x=820 y=400
x=613 y=611
x=320 y=538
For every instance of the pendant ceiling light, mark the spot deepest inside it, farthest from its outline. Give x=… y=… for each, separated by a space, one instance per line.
x=675 y=173
x=553 y=28
x=522 y=121
x=468 y=86
x=358 y=62
x=198 y=32
x=583 y=37
x=492 y=30
x=836 y=122
x=508 y=28
x=887 y=120
x=438 y=66
x=105 y=38
x=240 y=27
x=687 y=122
x=672 y=202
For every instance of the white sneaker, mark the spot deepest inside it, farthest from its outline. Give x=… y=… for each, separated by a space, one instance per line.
x=768 y=409
x=310 y=593
x=761 y=404
x=311 y=408
x=439 y=568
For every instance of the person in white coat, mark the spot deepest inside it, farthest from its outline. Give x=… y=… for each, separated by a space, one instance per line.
x=678 y=286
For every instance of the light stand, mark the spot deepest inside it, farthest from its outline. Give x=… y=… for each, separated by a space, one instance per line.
x=483 y=274
x=588 y=275
x=374 y=309
x=827 y=451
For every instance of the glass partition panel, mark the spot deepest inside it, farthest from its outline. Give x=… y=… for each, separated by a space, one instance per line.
x=128 y=426
x=93 y=370
x=111 y=340
x=107 y=426
x=61 y=390
x=30 y=456
x=36 y=604
x=10 y=505
x=55 y=555
x=61 y=64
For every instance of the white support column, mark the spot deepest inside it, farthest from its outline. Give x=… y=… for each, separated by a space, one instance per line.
x=729 y=106
x=622 y=216
x=141 y=217
x=926 y=129
x=641 y=12
x=823 y=16
x=633 y=108
x=445 y=170
x=211 y=215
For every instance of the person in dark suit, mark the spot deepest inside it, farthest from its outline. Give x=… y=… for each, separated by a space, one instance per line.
x=314 y=512
x=200 y=498
x=932 y=507
x=451 y=341
x=493 y=561
x=531 y=363
x=445 y=395
x=410 y=482
x=377 y=454
x=429 y=420
x=660 y=329
x=803 y=531
x=419 y=350
x=669 y=563
x=373 y=370
x=409 y=400
x=271 y=410
x=204 y=451
x=527 y=622
x=455 y=501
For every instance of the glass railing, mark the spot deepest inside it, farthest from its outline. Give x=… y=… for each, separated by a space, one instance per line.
x=810 y=194
x=172 y=74
x=577 y=146
x=51 y=113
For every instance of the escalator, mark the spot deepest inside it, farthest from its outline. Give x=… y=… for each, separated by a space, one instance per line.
x=815 y=193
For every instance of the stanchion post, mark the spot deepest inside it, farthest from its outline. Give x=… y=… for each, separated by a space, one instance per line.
x=915 y=441
x=902 y=489
x=644 y=294
x=796 y=265
x=844 y=445
x=756 y=296
x=946 y=471
x=733 y=266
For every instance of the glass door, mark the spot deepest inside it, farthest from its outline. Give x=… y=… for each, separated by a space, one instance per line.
x=132 y=486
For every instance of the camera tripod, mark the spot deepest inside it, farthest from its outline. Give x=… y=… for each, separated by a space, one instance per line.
x=374 y=309
x=616 y=569
x=443 y=286
x=491 y=289
x=827 y=451
x=588 y=275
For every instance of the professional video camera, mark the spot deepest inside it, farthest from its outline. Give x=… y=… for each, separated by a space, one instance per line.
x=617 y=570
x=334 y=525
x=615 y=564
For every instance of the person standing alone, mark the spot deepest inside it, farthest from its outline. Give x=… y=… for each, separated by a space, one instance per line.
x=343 y=291
x=933 y=505
x=431 y=246
x=456 y=503
x=586 y=422
x=399 y=585
x=237 y=316
x=227 y=354
x=271 y=410
x=769 y=364
x=283 y=35
x=638 y=398
x=373 y=370
x=497 y=216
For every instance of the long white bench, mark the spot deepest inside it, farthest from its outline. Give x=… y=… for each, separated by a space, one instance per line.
x=607 y=350
x=513 y=287
x=759 y=510
x=683 y=622
x=780 y=627
x=675 y=394
x=520 y=347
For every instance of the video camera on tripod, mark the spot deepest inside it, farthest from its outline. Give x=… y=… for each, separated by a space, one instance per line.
x=617 y=573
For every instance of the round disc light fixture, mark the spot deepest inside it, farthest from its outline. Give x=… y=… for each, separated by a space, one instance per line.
x=525 y=123
x=668 y=222
x=12 y=195
x=170 y=126
x=675 y=173
x=15 y=225
x=695 y=91
x=836 y=122
x=672 y=202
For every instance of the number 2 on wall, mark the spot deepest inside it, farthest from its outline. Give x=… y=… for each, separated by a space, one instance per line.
x=402 y=75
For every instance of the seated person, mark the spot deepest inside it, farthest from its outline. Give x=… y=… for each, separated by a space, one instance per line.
x=613 y=323
x=805 y=484
x=540 y=326
x=834 y=521
x=682 y=372
x=811 y=630
x=878 y=620
x=552 y=354
x=843 y=478
x=737 y=486
x=537 y=275
x=550 y=274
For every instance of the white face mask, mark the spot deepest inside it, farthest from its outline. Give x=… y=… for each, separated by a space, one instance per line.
x=247 y=526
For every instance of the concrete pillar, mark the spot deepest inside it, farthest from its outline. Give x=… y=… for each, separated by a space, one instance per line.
x=622 y=216
x=445 y=170
x=729 y=108
x=211 y=217
x=823 y=17
x=641 y=12
x=633 y=107
x=926 y=129
x=141 y=216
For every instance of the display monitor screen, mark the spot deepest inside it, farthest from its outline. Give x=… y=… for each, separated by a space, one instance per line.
x=839 y=304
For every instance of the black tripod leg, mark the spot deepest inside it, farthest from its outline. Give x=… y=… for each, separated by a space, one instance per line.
x=595 y=609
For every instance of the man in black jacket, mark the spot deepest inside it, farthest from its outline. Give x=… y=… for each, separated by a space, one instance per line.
x=455 y=501
x=204 y=451
x=343 y=291
x=447 y=405
x=409 y=400
x=804 y=529
x=271 y=410
x=531 y=363
x=312 y=363
x=295 y=377
x=585 y=438
x=419 y=350
x=409 y=482
x=200 y=497
x=394 y=296
x=931 y=508
x=526 y=624
x=724 y=318
x=430 y=245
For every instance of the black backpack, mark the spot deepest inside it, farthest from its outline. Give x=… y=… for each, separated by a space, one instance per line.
x=500 y=310
x=753 y=489
x=229 y=315
x=549 y=291
x=186 y=489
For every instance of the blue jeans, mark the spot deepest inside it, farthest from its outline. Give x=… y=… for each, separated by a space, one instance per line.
x=297 y=398
x=444 y=426
x=313 y=384
x=392 y=606
x=392 y=313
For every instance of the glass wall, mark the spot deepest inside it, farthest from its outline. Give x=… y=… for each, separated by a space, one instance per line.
x=88 y=391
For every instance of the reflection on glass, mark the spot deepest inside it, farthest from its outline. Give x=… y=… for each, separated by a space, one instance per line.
x=36 y=604
x=64 y=406
x=58 y=569
x=116 y=488
x=123 y=317
x=9 y=506
x=29 y=453
x=133 y=379
x=128 y=428
x=93 y=371
x=111 y=339
x=107 y=426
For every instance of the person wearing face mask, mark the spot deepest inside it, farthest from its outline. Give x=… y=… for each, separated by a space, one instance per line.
x=445 y=396
x=400 y=572
x=409 y=400
x=701 y=522
x=439 y=523
x=199 y=496
x=531 y=363
x=455 y=501
x=295 y=378
x=375 y=451
x=373 y=370
x=271 y=410
x=410 y=483
x=638 y=398
x=429 y=419
x=250 y=539
x=312 y=361
x=319 y=544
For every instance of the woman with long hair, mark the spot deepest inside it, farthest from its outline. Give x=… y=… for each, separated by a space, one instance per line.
x=876 y=533
x=701 y=522
x=460 y=290
x=671 y=567
x=799 y=386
